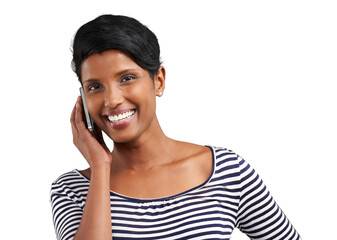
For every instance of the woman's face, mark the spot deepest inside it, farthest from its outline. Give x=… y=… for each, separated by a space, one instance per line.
x=120 y=95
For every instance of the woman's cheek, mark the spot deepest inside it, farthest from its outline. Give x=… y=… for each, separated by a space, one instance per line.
x=95 y=104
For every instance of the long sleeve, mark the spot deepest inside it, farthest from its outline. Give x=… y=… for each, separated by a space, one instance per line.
x=259 y=216
x=67 y=209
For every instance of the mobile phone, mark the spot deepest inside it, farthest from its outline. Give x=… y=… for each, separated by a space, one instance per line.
x=88 y=119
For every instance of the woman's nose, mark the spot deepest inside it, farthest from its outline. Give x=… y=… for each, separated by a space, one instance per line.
x=113 y=97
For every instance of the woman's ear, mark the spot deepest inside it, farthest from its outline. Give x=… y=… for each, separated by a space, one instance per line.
x=159 y=81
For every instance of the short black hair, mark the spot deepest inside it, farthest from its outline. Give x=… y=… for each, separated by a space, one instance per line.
x=124 y=33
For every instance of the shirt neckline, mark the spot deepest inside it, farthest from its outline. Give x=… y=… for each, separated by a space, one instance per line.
x=161 y=199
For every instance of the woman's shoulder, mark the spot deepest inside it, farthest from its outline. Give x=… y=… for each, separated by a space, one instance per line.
x=209 y=160
x=217 y=165
x=70 y=188
x=204 y=154
x=209 y=151
x=221 y=153
x=71 y=185
x=70 y=178
x=194 y=153
x=225 y=158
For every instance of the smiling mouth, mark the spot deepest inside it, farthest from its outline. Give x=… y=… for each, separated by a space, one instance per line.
x=121 y=117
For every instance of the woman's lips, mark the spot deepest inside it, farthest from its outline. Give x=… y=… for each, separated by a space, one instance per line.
x=120 y=118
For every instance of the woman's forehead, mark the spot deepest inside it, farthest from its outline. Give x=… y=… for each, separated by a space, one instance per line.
x=108 y=62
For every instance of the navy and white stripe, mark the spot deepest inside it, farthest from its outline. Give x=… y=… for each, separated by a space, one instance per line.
x=233 y=196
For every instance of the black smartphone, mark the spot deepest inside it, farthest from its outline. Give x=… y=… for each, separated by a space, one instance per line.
x=87 y=117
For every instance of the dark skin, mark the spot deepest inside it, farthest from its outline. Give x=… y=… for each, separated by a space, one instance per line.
x=144 y=163
x=181 y=173
x=138 y=169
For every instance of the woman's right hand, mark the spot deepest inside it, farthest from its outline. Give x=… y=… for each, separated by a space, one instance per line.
x=94 y=151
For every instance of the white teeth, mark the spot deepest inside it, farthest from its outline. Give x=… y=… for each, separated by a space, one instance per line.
x=120 y=117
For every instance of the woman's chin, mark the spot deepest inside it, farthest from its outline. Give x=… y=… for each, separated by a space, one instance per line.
x=122 y=137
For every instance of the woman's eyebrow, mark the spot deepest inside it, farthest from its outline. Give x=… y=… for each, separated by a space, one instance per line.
x=90 y=80
x=125 y=71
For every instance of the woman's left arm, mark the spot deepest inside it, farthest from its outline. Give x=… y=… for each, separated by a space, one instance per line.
x=259 y=216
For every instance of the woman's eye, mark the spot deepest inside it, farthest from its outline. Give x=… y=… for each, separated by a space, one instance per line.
x=94 y=86
x=127 y=78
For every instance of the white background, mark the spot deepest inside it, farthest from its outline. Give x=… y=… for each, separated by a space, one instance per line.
x=258 y=77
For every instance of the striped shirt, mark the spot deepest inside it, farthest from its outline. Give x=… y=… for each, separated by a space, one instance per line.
x=233 y=196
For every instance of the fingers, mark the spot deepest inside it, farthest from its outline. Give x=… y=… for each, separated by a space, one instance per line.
x=100 y=139
x=77 y=125
x=79 y=121
x=72 y=120
x=98 y=133
x=86 y=143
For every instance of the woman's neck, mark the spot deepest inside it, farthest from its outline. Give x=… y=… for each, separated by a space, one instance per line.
x=149 y=150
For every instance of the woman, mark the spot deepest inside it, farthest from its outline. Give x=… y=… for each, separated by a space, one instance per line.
x=149 y=186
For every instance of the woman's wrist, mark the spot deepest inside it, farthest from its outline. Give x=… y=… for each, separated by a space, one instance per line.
x=100 y=169
x=100 y=164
